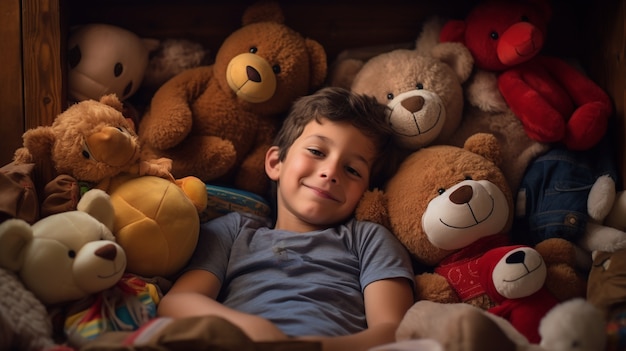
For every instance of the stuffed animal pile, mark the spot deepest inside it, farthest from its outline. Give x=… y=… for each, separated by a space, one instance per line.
x=92 y=145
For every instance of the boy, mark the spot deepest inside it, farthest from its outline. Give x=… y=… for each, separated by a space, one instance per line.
x=317 y=273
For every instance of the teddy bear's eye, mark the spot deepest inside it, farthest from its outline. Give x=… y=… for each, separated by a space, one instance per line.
x=276 y=69
x=253 y=50
x=525 y=18
x=86 y=154
x=467 y=177
x=71 y=254
x=390 y=96
x=118 y=69
x=441 y=191
x=494 y=35
x=419 y=86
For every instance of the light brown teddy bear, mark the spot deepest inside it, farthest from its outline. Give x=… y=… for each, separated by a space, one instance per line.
x=423 y=93
x=448 y=205
x=216 y=122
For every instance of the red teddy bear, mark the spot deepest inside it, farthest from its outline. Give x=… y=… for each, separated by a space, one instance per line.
x=554 y=101
x=514 y=277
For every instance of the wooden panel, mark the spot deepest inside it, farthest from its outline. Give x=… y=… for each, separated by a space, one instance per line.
x=605 y=58
x=43 y=72
x=11 y=112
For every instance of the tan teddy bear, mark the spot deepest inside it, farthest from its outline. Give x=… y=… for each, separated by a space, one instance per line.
x=216 y=122
x=448 y=205
x=424 y=93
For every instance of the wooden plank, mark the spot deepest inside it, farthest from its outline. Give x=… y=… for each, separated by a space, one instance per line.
x=43 y=72
x=11 y=100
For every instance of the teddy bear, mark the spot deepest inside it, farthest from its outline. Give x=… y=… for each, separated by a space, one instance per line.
x=107 y=59
x=555 y=102
x=216 y=122
x=485 y=111
x=514 y=277
x=448 y=206
x=571 y=325
x=423 y=93
x=72 y=264
x=92 y=145
x=66 y=256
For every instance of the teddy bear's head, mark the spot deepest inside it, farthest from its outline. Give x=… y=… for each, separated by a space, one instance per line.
x=268 y=64
x=91 y=140
x=66 y=256
x=501 y=34
x=443 y=198
x=106 y=59
x=423 y=92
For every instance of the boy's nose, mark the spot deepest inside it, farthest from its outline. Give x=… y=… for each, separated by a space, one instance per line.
x=329 y=175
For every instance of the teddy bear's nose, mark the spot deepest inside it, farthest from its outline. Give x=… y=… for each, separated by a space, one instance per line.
x=516 y=257
x=108 y=252
x=253 y=74
x=413 y=104
x=462 y=195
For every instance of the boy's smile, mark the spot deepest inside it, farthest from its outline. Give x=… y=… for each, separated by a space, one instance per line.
x=322 y=177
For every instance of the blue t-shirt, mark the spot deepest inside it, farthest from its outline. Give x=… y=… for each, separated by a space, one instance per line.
x=306 y=283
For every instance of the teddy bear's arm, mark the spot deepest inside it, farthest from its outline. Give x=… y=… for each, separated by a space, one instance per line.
x=541 y=120
x=170 y=117
x=592 y=106
x=434 y=287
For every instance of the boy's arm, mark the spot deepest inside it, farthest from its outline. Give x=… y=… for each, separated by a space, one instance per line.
x=194 y=294
x=386 y=302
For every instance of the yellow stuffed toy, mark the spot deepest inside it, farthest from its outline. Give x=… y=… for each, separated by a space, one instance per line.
x=92 y=145
x=216 y=122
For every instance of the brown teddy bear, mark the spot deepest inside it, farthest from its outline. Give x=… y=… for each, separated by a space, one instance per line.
x=216 y=122
x=448 y=205
x=423 y=92
x=92 y=145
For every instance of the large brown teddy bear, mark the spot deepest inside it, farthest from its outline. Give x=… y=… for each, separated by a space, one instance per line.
x=448 y=205
x=216 y=122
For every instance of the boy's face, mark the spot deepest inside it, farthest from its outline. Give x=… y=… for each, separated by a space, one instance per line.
x=323 y=176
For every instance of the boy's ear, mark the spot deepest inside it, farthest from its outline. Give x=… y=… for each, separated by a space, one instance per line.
x=272 y=163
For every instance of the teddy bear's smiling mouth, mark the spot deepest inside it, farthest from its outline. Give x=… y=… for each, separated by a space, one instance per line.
x=115 y=272
x=527 y=273
x=476 y=221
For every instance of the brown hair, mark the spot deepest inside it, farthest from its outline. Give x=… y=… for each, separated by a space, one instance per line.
x=341 y=105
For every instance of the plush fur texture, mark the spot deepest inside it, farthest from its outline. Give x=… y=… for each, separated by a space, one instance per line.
x=216 y=122
x=554 y=101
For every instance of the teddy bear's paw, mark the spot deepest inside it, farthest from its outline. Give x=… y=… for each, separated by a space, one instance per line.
x=433 y=287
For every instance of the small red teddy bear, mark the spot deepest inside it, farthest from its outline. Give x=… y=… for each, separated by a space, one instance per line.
x=554 y=101
x=514 y=277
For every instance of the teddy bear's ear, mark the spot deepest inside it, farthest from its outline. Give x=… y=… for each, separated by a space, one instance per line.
x=453 y=30
x=263 y=11
x=429 y=36
x=457 y=56
x=317 y=59
x=486 y=145
x=15 y=234
x=97 y=203
x=113 y=101
x=38 y=144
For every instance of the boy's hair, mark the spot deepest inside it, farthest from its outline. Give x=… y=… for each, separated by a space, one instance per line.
x=341 y=105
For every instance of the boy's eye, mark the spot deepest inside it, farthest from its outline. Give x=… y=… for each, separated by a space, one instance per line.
x=353 y=171
x=316 y=152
